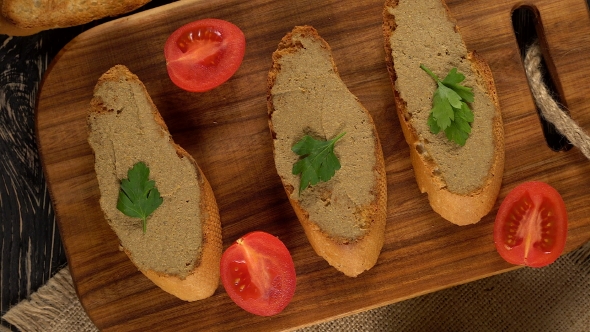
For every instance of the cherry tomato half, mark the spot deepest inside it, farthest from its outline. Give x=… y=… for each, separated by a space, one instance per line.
x=204 y=54
x=258 y=273
x=531 y=225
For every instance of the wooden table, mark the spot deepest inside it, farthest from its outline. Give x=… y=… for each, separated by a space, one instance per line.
x=422 y=252
x=31 y=249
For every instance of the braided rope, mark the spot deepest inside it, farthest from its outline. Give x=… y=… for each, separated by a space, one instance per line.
x=549 y=108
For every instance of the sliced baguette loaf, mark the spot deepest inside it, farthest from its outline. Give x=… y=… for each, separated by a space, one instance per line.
x=343 y=218
x=181 y=248
x=8 y=28
x=27 y=16
x=462 y=182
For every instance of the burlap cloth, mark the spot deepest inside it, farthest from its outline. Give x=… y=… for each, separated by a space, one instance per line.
x=553 y=298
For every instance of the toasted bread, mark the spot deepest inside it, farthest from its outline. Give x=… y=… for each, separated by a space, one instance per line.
x=8 y=28
x=181 y=248
x=462 y=182
x=25 y=17
x=343 y=218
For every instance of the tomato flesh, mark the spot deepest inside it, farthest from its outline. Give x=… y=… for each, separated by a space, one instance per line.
x=204 y=46
x=204 y=54
x=242 y=282
x=258 y=273
x=531 y=225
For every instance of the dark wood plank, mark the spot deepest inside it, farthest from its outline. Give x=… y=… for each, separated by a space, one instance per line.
x=30 y=243
x=226 y=131
x=31 y=248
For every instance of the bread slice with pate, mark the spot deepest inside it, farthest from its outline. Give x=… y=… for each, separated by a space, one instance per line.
x=462 y=182
x=344 y=217
x=180 y=250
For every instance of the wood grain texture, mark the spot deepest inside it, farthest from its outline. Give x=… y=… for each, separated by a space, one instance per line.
x=30 y=245
x=226 y=131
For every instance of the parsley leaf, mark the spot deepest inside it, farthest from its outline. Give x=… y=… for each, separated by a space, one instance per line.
x=319 y=163
x=138 y=196
x=450 y=112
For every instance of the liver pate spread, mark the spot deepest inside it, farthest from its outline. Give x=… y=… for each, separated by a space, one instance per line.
x=124 y=136
x=309 y=97
x=421 y=37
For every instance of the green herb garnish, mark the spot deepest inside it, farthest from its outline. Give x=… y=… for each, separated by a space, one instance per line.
x=138 y=196
x=319 y=163
x=450 y=111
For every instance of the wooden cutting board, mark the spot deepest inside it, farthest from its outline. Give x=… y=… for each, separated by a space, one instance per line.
x=226 y=131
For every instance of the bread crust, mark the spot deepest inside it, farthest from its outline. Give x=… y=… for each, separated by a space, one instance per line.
x=351 y=257
x=203 y=280
x=460 y=209
x=43 y=15
x=8 y=28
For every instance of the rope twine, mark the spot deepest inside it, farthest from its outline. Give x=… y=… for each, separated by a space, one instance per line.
x=549 y=108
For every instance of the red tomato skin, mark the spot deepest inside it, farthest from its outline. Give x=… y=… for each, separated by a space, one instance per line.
x=200 y=76
x=245 y=260
x=533 y=199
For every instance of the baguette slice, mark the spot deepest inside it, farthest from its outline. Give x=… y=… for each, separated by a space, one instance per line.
x=181 y=248
x=343 y=218
x=462 y=182
x=28 y=16
x=8 y=28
